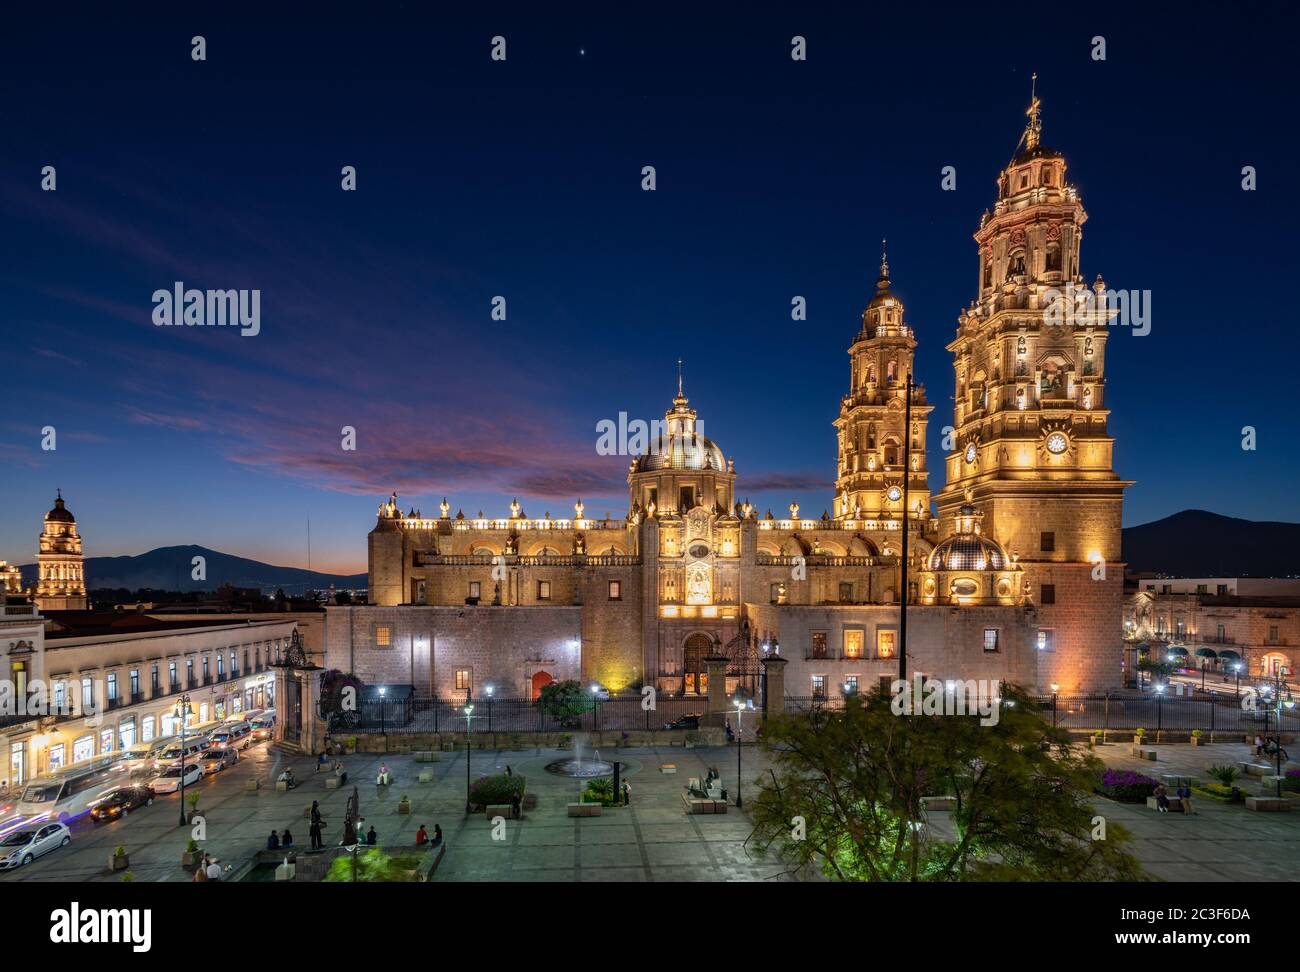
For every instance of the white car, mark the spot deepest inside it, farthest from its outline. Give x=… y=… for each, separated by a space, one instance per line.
x=169 y=780
x=24 y=846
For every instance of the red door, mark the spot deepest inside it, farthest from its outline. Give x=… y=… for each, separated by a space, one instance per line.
x=540 y=681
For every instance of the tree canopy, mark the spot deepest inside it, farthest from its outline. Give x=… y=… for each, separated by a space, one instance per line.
x=564 y=701
x=846 y=796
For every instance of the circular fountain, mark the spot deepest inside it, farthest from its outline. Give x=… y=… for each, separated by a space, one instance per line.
x=580 y=769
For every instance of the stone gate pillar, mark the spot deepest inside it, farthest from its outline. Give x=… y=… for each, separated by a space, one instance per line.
x=773 y=685
x=716 y=666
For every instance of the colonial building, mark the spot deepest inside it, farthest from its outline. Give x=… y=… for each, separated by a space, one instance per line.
x=60 y=585
x=1217 y=623
x=1003 y=584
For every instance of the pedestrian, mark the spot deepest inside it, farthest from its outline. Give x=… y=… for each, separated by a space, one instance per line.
x=509 y=771
x=627 y=793
x=516 y=806
x=421 y=836
x=437 y=836
x=314 y=831
x=731 y=736
x=201 y=872
x=1185 y=797
x=273 y=842
x=1259 y=745
x=286 y=839
x=214 y=870
x=1162 y=798
x=372 y=838
x=315 y=811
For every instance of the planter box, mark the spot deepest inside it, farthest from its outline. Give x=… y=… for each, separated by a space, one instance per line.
x=584 y=809
x=697 y=805
x=426 y=776
x=116 y=863
x=252 y=784
x=189 y=858
x=404 y=806
x=1196 y=740
x=1175 y=806
x=1137 y=740
x=281 y=786
x=331 y=782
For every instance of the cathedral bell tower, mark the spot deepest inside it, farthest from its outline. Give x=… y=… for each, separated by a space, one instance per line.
x=1031 y=448
x=60 y=585
x=871 y=425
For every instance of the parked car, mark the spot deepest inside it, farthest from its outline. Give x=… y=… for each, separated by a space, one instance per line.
x=118 y=803
x=215 y=760
x=685 y=722
x=24 y=846
x=169 y=781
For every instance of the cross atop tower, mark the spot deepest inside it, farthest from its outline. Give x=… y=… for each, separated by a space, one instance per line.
x=1034 y=130
x=884 y=259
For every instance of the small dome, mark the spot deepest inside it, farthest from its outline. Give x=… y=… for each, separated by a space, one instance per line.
x=967 y=551
x=60 y=512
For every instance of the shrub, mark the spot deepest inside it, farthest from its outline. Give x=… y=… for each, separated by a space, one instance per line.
x=128 y=876
x=1125 y=786
x=119 y=851
x=496 y=789
x=1224 y=774
x=564 y=701
x=191 y=846
x=1139 y=731
x=1220 y=791
x=1196 y=734
x=600 y=790
x=374 y=866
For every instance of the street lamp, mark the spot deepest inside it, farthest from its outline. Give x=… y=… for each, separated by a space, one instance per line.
x=740 y=742
x=182 y=710
x=488 y=690
x=1160 y=695
x=1055 y=688
x=595 y=708
x=1236 y=668
x=469 y=714
x=383 y=729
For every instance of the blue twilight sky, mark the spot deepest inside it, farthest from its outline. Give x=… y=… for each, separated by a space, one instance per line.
x=522 y=178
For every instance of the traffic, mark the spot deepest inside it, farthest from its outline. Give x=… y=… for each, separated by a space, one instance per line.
x=40 y=818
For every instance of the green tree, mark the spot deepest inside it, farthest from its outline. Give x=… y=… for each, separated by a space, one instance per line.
x=855 y=779
x=564 y=701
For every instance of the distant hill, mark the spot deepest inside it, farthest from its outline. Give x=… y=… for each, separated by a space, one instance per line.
x=169 y=569
x=1197 y=543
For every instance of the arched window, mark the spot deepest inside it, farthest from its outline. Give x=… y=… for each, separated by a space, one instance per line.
x=1053 y=257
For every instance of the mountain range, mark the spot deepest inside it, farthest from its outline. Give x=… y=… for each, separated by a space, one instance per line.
x=170 y=569
x=1193 y=543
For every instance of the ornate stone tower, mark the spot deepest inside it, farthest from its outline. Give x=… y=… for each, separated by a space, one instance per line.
x=1031 y=448
x=869 y=480
x=61 y=585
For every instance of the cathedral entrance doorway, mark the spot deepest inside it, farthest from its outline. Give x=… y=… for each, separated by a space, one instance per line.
x=540 y=681
x=695 y=676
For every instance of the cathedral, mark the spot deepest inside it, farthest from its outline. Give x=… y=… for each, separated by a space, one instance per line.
x=1014 y=575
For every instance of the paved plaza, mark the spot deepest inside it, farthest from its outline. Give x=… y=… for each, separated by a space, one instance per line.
x=652 y=840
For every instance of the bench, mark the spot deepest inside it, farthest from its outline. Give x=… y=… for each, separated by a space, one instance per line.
x=426 y=776
x=331 y=782
x=426 y=756
x=500 y=810
x=252 y=784
x=281 y=786
x=1256 y=769
x=939 y=803
x=703 y=804
x=584 y=809
x=668 y=768
x=1267 y=803
x=1143 y=753
x=1175 y=805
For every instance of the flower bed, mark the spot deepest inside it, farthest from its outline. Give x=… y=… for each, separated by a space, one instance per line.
x=1222 y=792
x=1125 y=786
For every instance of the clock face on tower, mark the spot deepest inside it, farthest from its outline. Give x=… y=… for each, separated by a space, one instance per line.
x=894 y=494
x=970 y=452
x=1057 y=443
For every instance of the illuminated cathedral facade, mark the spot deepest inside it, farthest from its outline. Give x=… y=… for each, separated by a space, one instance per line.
x=1014 y=575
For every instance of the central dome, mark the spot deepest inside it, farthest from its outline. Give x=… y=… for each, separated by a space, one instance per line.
x=686 y=451
x=967 y=551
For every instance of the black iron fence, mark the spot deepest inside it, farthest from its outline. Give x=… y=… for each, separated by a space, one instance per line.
x=1107 y=712
x=427 y=715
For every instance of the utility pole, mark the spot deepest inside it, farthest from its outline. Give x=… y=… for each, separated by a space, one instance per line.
x=907 y=480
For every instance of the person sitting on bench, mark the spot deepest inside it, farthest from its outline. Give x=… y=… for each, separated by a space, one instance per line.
x=287 y=777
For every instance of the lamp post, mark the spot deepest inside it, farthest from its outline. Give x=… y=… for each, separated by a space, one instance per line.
x=182 y=710
x=740 y=742
x=383 y=728
x=488 y=690
x=1160 y=694
x=1055 y=688
x=1236 y=668
x=469 y=714
x=595 y=709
